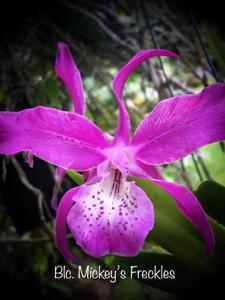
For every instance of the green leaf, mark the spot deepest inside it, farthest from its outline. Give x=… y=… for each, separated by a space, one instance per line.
x=75 y=176
x=212 y=197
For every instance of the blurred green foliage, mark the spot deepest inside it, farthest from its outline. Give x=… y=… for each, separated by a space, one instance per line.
x=47 y=90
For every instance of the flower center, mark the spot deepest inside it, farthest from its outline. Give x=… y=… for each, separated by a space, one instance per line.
x=120 y=159
x=115 y=190
x=113 y=184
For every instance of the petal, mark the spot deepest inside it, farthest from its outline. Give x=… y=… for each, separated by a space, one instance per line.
x=179 y=125
x=67 y=70
x=111 y=217
x=189 y=205
x=123 y=127
x=65 y=139
x=61 y=222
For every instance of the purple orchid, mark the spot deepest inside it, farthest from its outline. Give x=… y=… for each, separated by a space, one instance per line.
x=108 y=214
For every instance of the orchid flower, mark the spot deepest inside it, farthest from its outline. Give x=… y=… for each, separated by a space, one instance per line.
x=108 y=214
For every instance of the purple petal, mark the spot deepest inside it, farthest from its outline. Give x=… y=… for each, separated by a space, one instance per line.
x=65 y=139
x=188 y=205
x=179 y=125
x=111 y=217
x=123 y=127
x=61 y=222
x=67 y=70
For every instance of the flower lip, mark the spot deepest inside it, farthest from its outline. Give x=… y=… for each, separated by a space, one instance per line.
x=112 y=216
